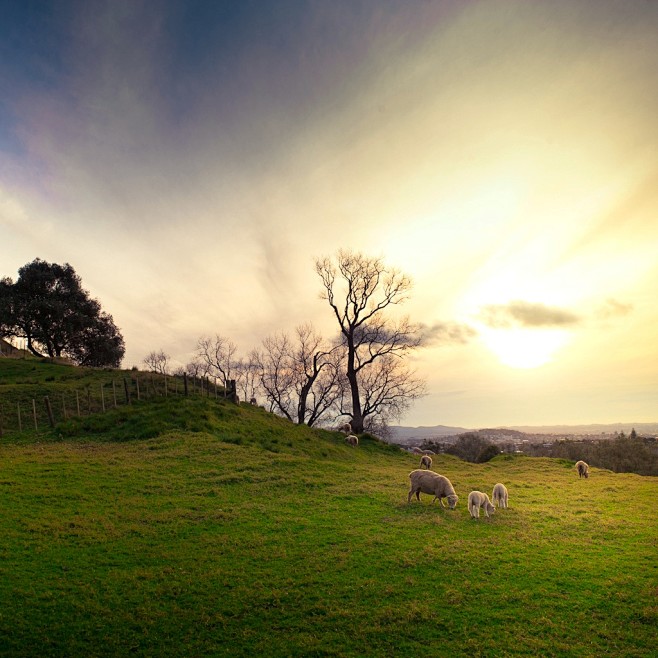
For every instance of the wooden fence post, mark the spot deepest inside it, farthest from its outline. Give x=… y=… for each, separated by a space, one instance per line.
x=185 y=383
x=20 y=425
x=137 y=382
x=64 y=405
x=125 y=388
x=77 y=401
x=49 y=409
x=34 y=413
x=166 y=386
x=102 y=398
x=114 y=394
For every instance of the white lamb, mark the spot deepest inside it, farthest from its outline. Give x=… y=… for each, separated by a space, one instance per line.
x=499 y=495
x=352 y=440
x=346 y=428
x=430 y=482
x=583 y=469
x=477 y=499
x=426 y=461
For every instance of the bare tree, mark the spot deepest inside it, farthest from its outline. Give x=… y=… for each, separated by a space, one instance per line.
x=275 y=373
x=196 y=368
x=218 y=355
x=247 y=377
x=388 y=388
x=300 y=377
x=157 y=362
x=360 y=289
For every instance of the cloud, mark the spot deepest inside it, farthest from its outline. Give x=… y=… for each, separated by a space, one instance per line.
x=526 y=314
x=613 y=309
x=446 y=333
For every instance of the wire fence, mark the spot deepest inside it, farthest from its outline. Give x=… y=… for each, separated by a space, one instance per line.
x=44 y=407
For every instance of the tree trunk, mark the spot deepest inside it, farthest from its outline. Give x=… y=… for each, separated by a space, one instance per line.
x=301 y=407
x=357 y=414
x=31 y=347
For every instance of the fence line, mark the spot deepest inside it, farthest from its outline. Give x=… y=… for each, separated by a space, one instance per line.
x=46 y=414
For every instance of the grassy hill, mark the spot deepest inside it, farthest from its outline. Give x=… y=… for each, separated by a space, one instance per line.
x=190 y=526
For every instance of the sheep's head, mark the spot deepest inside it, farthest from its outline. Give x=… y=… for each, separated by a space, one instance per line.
x=452 y=501
x=490 y=507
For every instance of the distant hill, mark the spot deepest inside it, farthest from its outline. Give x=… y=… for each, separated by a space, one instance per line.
x=404 y=435
x=409 y=435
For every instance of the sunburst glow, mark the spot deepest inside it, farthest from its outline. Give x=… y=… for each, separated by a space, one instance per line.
x=524 y=348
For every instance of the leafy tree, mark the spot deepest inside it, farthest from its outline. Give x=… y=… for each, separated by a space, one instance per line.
x=98 y=345
x=48 y=307
x=359 y=290
x=487 y=453
x=473 y=448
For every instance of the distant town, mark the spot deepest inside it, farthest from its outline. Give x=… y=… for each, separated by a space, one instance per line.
x=519 y=436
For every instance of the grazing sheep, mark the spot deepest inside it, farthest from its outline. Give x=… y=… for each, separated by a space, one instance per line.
x=477 y=499
x=346 y=428
x=499 y=495
x=426 y=461
x=352 y=440
x=432 y=483
x=583 y=469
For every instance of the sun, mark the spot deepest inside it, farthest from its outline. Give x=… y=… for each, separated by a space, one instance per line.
x=524 y=348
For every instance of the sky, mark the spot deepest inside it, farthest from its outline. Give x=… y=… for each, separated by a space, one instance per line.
x=191 y=159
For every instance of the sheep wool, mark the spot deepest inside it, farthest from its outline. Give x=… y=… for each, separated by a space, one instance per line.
x=432 y=483
x=499 y=495
x=476 y=500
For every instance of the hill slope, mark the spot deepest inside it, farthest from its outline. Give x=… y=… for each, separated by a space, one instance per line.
x=247 y=535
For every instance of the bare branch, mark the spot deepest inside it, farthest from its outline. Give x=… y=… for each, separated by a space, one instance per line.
x=157 y=362
x=368 y=288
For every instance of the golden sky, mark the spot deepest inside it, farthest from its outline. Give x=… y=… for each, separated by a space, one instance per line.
x=192 y=161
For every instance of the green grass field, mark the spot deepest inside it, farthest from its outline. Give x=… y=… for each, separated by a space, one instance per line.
x=193 y=527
